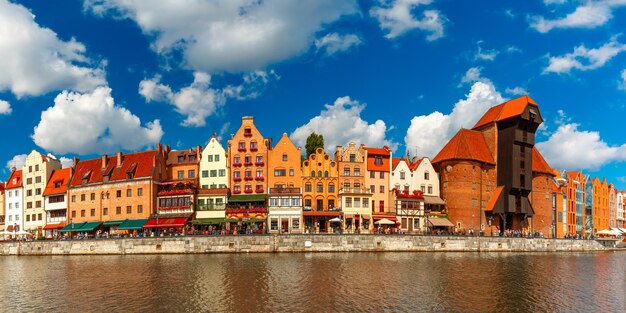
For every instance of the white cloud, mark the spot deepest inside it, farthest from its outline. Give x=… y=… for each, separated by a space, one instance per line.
x=622 y=82
x=396 y=19
x=198 y=100
x=585 y=59
x=429 y=133
x=91 y=123
x=548 y=2
x=335 y=42
x=232 y=36
x=5 y=108
x=34 y=61
x=589 y=14
x=341 y=123
x=485 y=55
x=516 y=91
x=471 y=75
x=17 y=162
x=513 y=49
x=563 y=148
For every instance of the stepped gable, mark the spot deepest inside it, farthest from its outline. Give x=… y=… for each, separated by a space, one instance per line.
x=539 y=163
x=506 y=110
x=58 y=182
x=139 y=163
x=466 y=145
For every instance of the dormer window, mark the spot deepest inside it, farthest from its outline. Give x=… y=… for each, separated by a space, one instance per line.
x=192 y=158
x=181 y=158
x=378 y=160
x=130 y=173
x=57 y=183
x=86 y=176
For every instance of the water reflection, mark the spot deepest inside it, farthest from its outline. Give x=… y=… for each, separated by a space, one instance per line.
x=326 y=282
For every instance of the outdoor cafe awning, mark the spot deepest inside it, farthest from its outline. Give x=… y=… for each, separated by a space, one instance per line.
x=441 y=222
x=133 y=224
x=71 y=227
x=113 y=223
x=166 y=222
x=89 y=226
x=433 y=200
x=247 y=198
x=208 y=221
x=54 y=226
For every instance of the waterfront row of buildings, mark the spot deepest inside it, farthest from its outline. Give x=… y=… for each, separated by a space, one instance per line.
x=487 y=179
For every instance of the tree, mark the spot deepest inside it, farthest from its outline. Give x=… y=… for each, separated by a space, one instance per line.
x=313 y=142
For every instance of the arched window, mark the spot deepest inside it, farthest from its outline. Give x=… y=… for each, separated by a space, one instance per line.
x=312 y=173
x=325 y=173
x=319 y=173
x=319 y=188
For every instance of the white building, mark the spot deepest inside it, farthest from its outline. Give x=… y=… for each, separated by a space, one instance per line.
x=427 y=180
x=401 y=175
x=14 y=202
x=2 y=214
x=36 y=171
x=213 y=171
x=285 y=210
x=55 y=201
x=621 y=206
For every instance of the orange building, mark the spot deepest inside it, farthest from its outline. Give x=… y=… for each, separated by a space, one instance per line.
x=576 y=198
x=320 y=196
x=55 y=200
x=247 y=159
x=378 y=178
x=176 y=197
x=600 y=204
x=114 y=188
x=284 y=163
x=354 y=196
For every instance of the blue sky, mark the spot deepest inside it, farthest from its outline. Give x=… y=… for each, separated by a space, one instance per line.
x=97 y=76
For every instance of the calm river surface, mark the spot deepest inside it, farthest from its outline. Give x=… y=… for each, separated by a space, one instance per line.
x=321 y=282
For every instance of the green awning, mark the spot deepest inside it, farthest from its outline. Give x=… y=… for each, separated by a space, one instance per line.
x=247 y=198
x=208 y=221
x=133 y=224
x=231 y=220
x=113 y=223
x=89 y=226
x=254 y=220
x=71 y=227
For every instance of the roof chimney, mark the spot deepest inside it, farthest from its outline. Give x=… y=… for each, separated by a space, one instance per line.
x=76 y=160
x=119 y=158
x=198 y=153
x=104 y=161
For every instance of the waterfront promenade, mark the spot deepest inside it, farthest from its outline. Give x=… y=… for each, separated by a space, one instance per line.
x=296 y=243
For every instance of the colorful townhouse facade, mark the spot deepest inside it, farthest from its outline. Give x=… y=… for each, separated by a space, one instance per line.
x=284 y=179
x=576 y=202
x=377 y=179
x=177 y=195
x=612 y=207
x=14 y=202
x=354 y=195
x=247 y=159
x=600 y=204
x=213 y=192
x=36 y=171
x=2 y=209
x=621 y=205
x=55 y=201
x=320 y=180
x=111 y=190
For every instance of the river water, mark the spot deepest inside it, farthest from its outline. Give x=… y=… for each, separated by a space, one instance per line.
x=320 y=282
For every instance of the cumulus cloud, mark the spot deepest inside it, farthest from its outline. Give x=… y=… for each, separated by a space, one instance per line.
x=17 y=162
x=563 y=148
x=334 y=42
x=484 y=55
x=5 y=108
x=89 y=123
x=589 y=14
x=396 y=18
x=34 y=61
x=472 y=75
x=516 y=91
x=198 y=100
x=585 y=59
x=232 y=36
x=429 y=133
x=341 y=123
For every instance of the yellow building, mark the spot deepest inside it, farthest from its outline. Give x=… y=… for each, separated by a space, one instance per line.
x=354 y=196
x=320 y=196
x=37 y=170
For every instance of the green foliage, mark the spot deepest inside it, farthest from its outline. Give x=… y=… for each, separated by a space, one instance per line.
x=313 y=142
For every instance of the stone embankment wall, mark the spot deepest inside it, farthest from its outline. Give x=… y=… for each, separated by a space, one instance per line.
x=295 y=243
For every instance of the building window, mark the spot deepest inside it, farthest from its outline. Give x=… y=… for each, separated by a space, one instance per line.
x=118 y=194
x=222 y=173
x=430 y=189
x=426 y=175
x=366 y=203
x=247 y=160
x=38 y=179
x=349 y=202
x=382 y=188
x=29 y=181
x=352 y=157
x=27 y=218
x=73 y=198
x=129 y=209
x=248 y=174
x=209 y=158
x=291 y=172
x=237 y=160
x=73 y=214
x=312 y=173
x=82 y=213
x=402 y=175
x=236 y=174
x=129 y=192
x=259 y=173
x=285 y=157
x=29 y=192
x=93 y=212
x=30 y=169
x=237 y=188
x=139 y=192
x=372 y=188
x=357 y=202
x=331 y=187
x=181 y=158
x=253 y=145
x=346 y=171
x=307 y=187
x=118 y=210
x=381 y=206
x=82 y=197
x=423 y=188
x=382 y=175
x=36 y=167
x=191 y=173
x=29 y=205
x=259 y=159
x=357 y=186
x=372 y=174
x=38 y=203
x=378 y=160
x=181 y=174
x=242 y=146
x=357 y=171
x=213 y=173
x=105 y=211
x=217 y=158
x=38 y=191
x=320 y=187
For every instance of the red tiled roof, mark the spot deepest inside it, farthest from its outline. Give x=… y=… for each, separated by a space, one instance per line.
x=539 y=163
x=505 y=111
x=466 y=145
x=58 y=177
x=413 y=166
x=378 y=151
x=172 y=157
x=17 y=175
x=140 y=162
x=395 y=162
x=492 y=202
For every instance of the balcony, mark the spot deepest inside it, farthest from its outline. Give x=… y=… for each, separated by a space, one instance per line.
x=287 y=190
x=237 y=164
x=210 y=207
x=241 y=149
x=236 y=179
x=246 y=210
x=175 y=209
x=248 y=178
x=259 y=163
x=355 y=190
x=254 y=149
x=247 y=164
x=259 y=178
